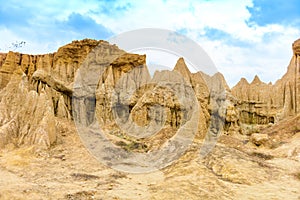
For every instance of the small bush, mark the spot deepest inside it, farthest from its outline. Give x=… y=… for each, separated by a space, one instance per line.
x=298 y=175
x=263 y=156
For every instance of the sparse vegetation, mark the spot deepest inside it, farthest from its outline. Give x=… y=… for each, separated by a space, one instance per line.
x=263 y=155
x=85 y=177
x=276 y=144
x=118 y=175
x=133 y=146
x=298 y=175
x=81 y=195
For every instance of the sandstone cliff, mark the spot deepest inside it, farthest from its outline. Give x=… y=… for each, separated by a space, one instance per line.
x=112 y=87
x=36 y=88
x=261 y=103
x=125 y=95
x=122 y=94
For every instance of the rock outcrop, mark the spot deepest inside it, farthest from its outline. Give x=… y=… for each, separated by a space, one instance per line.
x=93 y=81
x=261 y=103
x=26 y=117
x=256 y=101
x=115 y=88
x=34 y=89
x=126 y=92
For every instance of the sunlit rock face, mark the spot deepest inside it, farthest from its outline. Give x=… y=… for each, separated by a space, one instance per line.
x=35 y=89
x=262 y=103
x=125 y=90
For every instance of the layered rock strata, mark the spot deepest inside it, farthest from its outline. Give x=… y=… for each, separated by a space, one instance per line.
x=261 y=103
x=34 y=89
x=115 y=88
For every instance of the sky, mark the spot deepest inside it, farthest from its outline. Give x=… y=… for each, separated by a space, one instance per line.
x=242 y=37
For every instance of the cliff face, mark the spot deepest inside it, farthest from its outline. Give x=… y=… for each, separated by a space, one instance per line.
x=257 y=105
x=290 y=82
x=34 y=89
x=108 y=85
x=262 y=103
x=125 y=94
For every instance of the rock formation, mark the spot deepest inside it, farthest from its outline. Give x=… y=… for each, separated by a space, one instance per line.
x=36 y=88
x=124 y=91
x=256 y=103
x=116 y=88
x=261 y=103
x=93 y=81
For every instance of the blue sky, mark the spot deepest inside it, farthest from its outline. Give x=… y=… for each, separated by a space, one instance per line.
x=243 y=38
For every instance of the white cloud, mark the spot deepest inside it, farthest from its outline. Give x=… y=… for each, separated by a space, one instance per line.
x=267 y=51
x=269 y=47
x=267 y=58
x=229 y=16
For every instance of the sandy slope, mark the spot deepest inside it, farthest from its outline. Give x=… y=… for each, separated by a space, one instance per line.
x=68 y=171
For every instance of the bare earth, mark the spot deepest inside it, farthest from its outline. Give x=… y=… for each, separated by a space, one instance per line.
x=231 y=171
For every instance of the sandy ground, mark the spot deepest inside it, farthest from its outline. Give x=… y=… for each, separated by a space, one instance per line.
x=68 y=171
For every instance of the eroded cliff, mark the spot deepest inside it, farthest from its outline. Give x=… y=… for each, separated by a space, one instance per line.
x=126 y=97
x=261 y=103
